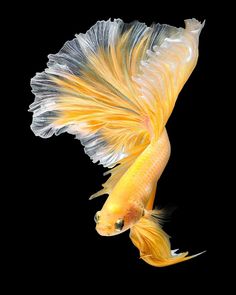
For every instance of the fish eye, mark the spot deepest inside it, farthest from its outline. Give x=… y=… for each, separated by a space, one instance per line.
x=119 y=224
x=97 y=216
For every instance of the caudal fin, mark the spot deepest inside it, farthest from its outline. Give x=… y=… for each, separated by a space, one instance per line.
x=154 y=245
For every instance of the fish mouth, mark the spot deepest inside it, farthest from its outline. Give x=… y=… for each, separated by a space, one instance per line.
x=106 y=230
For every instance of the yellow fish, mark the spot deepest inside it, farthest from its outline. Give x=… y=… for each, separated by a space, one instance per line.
x=115 y=88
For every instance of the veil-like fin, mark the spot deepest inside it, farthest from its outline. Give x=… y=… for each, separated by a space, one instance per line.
x=113 y=87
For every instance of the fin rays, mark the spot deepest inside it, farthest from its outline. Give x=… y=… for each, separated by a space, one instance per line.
x=113 y=87
x=154 y=245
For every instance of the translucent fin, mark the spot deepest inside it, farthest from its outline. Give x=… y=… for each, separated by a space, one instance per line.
x=154 y=245
x=110 y=87
x=165 y=71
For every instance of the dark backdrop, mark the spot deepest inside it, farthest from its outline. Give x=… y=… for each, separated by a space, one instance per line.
x=55 y=177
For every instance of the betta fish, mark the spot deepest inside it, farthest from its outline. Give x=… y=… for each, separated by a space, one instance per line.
x=115 y=88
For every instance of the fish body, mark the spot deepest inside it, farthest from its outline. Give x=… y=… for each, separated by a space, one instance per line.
x=115 y=88
x=130 y=196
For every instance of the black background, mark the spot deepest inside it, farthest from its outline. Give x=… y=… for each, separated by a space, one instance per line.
x=60 y=247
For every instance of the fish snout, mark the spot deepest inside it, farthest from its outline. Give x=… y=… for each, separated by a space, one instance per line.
x=104 y=229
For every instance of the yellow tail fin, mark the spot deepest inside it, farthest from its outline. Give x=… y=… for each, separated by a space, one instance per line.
x=153 y=243
x=114 y=88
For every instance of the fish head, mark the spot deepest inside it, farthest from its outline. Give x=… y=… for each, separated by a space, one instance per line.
x=114 y=219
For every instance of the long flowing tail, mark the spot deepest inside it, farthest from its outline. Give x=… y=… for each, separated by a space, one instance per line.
x=153 y=243
x=114 y=88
